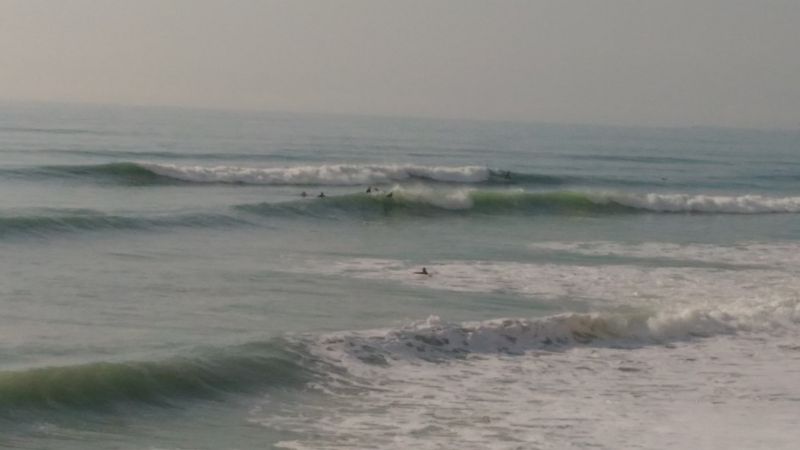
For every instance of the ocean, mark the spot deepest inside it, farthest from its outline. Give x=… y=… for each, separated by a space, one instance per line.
x=164 y=283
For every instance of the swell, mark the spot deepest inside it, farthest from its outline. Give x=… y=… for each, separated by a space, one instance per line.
x=414 y=203
x=206 y=374
x=149 y=173
x=171 y=155
x=430 y=202
x=122 y=173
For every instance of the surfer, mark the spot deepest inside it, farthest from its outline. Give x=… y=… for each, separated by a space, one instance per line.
x=369 y=189
x=303 y=194
x=389 y=195
x=424 y=271
x=321 y=195
x=507 y=176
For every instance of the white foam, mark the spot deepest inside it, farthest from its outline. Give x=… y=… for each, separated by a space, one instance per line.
x=672 y=357
x=784 y=256
x=722 y=392
x=453 y=199
x=436 y=339
x=327 y=174
x=618 y=285
x=744 y=204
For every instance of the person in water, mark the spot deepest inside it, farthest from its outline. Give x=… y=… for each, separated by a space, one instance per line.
x=321 y=195
x=389 y=195
x=303 y=194
x=369 y=189
x=424 y=271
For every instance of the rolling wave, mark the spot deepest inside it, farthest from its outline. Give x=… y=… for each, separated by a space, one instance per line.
x=145 y=173
x=423 y=201
x=284 y=362
x=403 y=202
x=104 y=384
x=434 y=339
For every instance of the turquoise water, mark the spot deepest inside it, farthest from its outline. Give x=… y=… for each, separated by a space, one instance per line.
x=165 y=285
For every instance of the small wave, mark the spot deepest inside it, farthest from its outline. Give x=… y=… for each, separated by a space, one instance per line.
x=124 y=173
x=45 y=130
x=643 y=159
x=68 y=221
x=105 y=384
x=170 y=155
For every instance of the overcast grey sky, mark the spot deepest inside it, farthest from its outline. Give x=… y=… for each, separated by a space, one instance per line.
x=670 y=62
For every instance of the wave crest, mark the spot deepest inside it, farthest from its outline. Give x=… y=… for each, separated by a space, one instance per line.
x=104 y=384
x=689 y=203
x=144 y=173
x=434 y=339
x=327 y=175
x=427 y=201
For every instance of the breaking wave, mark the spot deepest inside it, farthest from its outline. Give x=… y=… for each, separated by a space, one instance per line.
x=423 y=201
x=144 y=173
x=403 y=202
x=434 y=339
x=294 y=362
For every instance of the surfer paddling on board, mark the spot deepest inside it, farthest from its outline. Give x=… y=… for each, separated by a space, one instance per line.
x=424 y=271
x=321 y=195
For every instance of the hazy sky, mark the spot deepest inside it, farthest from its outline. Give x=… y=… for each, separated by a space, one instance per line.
x=670 y=62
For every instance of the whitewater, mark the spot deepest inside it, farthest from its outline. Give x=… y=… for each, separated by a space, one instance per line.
x=174 y=279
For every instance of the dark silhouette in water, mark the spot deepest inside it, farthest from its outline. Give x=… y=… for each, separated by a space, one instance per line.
x=321 y=195
x=303 y=194
x=507 y=176
x=424 y=271
x=369 y=189
x=389 y=195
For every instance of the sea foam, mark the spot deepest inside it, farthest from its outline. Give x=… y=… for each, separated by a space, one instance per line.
x=327 y=174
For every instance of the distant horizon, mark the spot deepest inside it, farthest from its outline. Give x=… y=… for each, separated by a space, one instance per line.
x=223 y=110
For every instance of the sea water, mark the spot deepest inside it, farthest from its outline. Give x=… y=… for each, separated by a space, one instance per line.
x=165 y=285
